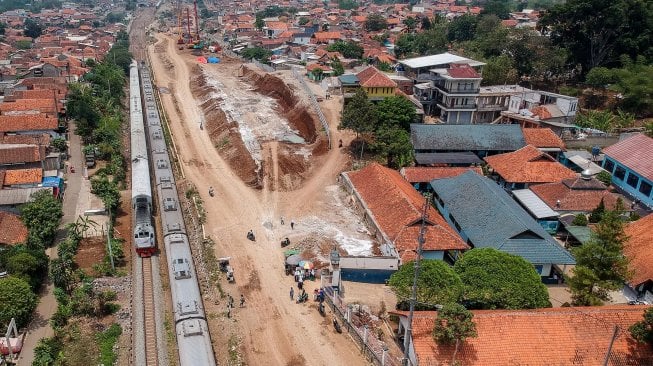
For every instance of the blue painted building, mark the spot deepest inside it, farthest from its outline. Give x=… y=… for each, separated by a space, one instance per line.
x=630 y=162
x=485 y=216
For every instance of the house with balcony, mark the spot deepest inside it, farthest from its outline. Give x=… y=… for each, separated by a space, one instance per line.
x=536 y=108
x=494 y=99
x=630 y=163
x=451 y=94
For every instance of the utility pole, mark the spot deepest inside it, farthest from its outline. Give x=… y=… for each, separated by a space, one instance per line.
x=413 y=295
x=614 y=337
x=113 y=267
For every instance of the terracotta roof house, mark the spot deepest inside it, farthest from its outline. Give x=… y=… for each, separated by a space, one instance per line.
x=13 y=230
x=539 y=337
x=421 y=176
x=485 y=216
x=575 y=195
x=392 y=208
x=527 y=166
x=630 y=163
x=545 y=140
x=28 y=124
x=13 y=154
x=376 y=84
x=325 y=37
x=23 y=178
x=30 y=106
x=638 y=250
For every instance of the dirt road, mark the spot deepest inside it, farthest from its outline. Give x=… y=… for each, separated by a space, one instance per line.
x=274 y=330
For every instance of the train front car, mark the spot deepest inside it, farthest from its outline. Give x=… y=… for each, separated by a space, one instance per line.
x=143 y=231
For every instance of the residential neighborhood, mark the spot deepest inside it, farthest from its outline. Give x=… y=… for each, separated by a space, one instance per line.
x=374 y=182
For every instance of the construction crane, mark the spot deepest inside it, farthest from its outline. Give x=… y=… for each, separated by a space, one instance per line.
x=180 y=31
x=197 y=23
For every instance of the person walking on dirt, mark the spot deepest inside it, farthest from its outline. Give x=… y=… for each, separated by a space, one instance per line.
x=281 y=220
x=242 y=300
x=231 y=301
x=292 y=293
x=292 y=225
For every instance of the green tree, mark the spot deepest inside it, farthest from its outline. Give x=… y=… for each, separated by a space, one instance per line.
x=375 y=23
x=635 y=83
x=338 y=68
x=59 y=144
x=600 y=263
x=453 y=325
x=437 y=284
x=499 y=70
x=347 y=4
x=3 y=27
x=462 y=28
x=61 y=272
x=496 y=280
x=599 y=77
x=108 y=191
x=600 y=120
x=16 y=301
x=359 y=114
x=41 y=217
x=47 y=351
x=410 y=23
x=397 y=111
x=317 y=73
x=32 y=28
x=29 y=265
x=23 y=45
x=348 y=49
x=81 y=107
x=500 y=8
x=604 y=177
x=257 y=53
x=597 y=213
x=580 y=220
x=303 y=20
x=597 y=32
x=642 y=331
x=259 y=23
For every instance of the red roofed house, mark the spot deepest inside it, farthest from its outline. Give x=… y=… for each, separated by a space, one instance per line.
x=638 y=250
x=630 y=162
x=545 y=140
x=28 y=124
x=376 y=84
x=392 y=208
x=539 y=337
x=325 y=37
x=13 y=230
x=421 y=176
x=576 y=195
x=527 y=166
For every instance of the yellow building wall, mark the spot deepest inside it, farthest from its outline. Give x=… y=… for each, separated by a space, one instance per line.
x=379 y=92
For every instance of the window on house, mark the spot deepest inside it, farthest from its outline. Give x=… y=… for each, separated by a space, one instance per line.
x=632 y=180
x=608 y=165
x=645 y=188
x=620 y=173
x=539 y=268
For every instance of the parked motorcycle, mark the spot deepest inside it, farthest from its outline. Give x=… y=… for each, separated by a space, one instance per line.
x=250 y=235
x=337 y=325
x=320 y=309
x=211 y=192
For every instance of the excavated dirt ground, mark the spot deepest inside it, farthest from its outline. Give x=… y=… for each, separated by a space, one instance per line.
x=235 y=136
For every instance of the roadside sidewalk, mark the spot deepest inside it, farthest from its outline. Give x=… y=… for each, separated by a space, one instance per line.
x=40 y=327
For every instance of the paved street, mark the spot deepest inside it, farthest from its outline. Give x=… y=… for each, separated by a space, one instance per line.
x=40 y=325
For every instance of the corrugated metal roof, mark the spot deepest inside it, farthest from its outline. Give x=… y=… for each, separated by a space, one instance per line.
x=447 y=158
x=636 y=153
x=534 y=204
x=467 y=137
x=585 y=164
x=491 y=218
x=436 y=60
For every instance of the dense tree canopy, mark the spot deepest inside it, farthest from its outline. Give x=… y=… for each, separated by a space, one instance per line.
x=642 y=331
x=375 y=23
x=359 y=114
x=32 y=28
x=600 y=264
x=397 y=111
x=257 y=53
x=453 y=325
x=41 y=217
x=348 y=49
x=437 y=284
x=598 y=32
x=496 y=280
x=16 y=301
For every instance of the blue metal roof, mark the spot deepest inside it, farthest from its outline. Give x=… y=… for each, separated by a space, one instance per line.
x=467 y=137
x=348 y=79
x=491 y=218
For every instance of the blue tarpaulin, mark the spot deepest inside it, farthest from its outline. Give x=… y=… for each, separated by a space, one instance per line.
x=52 y=182
x=213 y=60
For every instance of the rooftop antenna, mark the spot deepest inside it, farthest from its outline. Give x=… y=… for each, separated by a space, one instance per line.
x=413 y=295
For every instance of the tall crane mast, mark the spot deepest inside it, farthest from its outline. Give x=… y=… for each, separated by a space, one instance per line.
x=197 y=23
x=190 y=35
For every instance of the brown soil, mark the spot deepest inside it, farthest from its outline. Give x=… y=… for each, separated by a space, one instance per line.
x=90 y=253
x=224 y=135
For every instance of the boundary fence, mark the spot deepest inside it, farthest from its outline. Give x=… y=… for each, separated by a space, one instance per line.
x=316 y=106
x=372 y=348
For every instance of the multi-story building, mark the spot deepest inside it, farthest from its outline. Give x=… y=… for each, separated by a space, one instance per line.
x=447 y=86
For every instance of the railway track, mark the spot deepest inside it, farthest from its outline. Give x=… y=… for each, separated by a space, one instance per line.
x=151 y=354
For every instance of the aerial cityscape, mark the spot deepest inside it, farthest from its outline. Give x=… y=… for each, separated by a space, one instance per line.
x=332 y=182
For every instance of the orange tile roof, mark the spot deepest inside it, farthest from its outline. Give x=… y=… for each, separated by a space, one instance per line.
x=529 y=165
x=33 y=94
x=638 y=249
x=427 y=174
x=542 y=137
x=324 y=36
x=42 y=105
x=18 y=154
x=30 y=139
x=541 y=337
x=276 y=25
x=373 y=78
x=13 y=230
x=27 y=123
x=574 y=197
x=23 y=176
x=397 y=207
